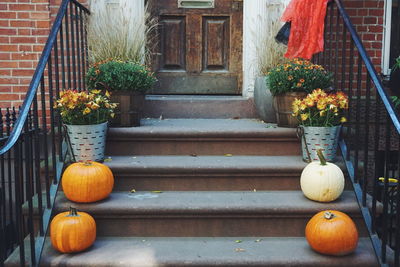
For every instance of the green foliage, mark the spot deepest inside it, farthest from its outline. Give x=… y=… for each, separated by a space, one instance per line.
x=396 y=101
x=298 y=75
x=396 y=64
x=116 y=75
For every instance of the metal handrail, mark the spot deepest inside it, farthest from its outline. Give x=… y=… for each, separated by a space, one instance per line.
x=34 y=84
x=370 y=67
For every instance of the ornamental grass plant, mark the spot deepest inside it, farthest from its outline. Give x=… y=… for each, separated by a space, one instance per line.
x=320 y=109
x=84 y=108
x=298 y=75
x=118 y=75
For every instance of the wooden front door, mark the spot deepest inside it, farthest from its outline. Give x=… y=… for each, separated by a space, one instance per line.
x=199 y=50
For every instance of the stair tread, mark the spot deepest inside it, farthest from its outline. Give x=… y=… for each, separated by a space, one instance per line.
x=210 y=203
x=206 y=251
x=192 y=164
x=202 y=128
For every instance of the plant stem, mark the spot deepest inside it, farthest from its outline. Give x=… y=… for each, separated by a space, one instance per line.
x=321 y=157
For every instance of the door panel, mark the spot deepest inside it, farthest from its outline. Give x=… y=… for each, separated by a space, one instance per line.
x=199 y=49
x=216 y=38
x=173 y=43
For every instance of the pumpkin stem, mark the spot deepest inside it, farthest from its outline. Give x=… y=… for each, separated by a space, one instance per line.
x=72 y=212
x=321 y=157
x=329 y=215
x=87 y=163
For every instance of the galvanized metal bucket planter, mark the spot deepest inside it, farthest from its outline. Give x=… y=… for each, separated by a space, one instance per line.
x=87 y=141
x=314 y=138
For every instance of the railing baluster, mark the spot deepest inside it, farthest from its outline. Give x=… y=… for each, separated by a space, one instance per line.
x=350 y=93
x=67 y=47
x=366 y=137
x=29 y=189
x=337 y=49
x=44 y=136
x=397 y=212
x=72 y=17
x=376 y=172
x=52 y=121
x=78 y=48
x=357 y=122
x=57 y=115
x=61 y=34
x=18 y=176
x=83 y=48
x=3 y=202
x=38 y=180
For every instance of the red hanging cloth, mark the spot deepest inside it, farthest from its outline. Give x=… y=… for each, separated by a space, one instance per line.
x=307 y=19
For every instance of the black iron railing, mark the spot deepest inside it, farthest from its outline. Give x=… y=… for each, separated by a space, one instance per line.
x=31 y=139
x=370 y=139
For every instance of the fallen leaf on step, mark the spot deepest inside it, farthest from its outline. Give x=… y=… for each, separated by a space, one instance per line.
x=108 y=159
x=254 y=190
x=238 y=241
x=236 y=118
x=240 y=250
x=193 y=155
x=258 y=240
x=133 y=190
x=156 y=192
x=228 y=155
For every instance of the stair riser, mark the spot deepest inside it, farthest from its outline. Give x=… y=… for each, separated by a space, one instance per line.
x=284 y=226
x=207 y=182
x=202 y=147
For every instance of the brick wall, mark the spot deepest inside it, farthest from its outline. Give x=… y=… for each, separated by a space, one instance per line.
x=25 y=24
x=368 y=16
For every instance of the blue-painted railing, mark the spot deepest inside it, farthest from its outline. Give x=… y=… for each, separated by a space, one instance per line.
x=370 y=139
x=31 y=140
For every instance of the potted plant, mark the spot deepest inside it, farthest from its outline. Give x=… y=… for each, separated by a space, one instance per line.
x=128 y=82
x=320 y=116
x=85 y=116
x=291 y=80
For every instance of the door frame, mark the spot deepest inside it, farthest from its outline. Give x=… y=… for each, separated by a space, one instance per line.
x=253 y=12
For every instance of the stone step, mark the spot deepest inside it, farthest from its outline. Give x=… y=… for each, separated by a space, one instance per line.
x=196 y=106
x=201 y=251
x=202 y=137
x=224 y=213
x=206 y=173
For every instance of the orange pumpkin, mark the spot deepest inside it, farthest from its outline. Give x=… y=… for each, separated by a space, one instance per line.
x=72 y=231
x=332 y=232
x=87 y=182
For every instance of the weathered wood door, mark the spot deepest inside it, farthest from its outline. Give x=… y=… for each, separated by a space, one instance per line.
x=199 y=50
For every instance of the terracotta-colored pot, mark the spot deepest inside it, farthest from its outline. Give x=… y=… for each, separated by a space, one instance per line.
x=283 y=108
x=129 y=110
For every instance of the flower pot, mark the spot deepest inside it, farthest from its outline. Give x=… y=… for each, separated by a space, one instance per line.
x=283 y=108
x=129 y=110
x=314 y=138
x=87 y=141
x=263 y=100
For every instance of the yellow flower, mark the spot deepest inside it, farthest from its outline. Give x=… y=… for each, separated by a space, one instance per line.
x=107 y=94
x=304 y=116
x=309 y=102
x=299 y=84
x=322 y=113
x=96 y=92
x=343 y=119
x=86 y=111
x=290 y=77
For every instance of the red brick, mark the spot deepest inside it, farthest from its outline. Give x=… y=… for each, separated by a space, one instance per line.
x=4 y=23
x=39 y=15
x=8 y=81
x=5 y=56
x=4 y=40
x=5 y=104
x=8 y=96
x=40 y=32
x=5 y=88
x=24 y=31
x=8 y=15
x=23 y=40
x=24 y=56
x=42 y=8
x=22 y=72
x=375 y=12
x=370 y=20
x=8 y=48
x=375 y=29
x=25 y=64
x=20 y=89
x=22 y=23
x=7 y=32
x=8 y=64
x=23 y=15
x=25 y=48
x=21 y=7
x=43 y=24
x=5 y=72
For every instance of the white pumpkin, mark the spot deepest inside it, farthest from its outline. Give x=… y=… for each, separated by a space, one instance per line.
x=322 y=181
